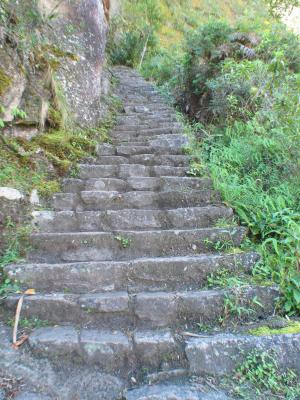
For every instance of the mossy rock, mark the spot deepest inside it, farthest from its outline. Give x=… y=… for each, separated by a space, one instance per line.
x=5 y=82
x=292 y=327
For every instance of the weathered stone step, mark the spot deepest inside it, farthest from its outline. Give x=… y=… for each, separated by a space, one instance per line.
x=130 y=150
x=167 y=144
x=123 y=127
x=171 y=391
x=150 y=108
x=113 y=351
x=151 y=146
x=145 y=159
x=144 y=310
x=146 y=131
x=145 y=134
x=94 y=221
x=172 y=140
x=151 y=120
x=88 y=171
x=167 y=183
x=126 y=245
x=147 y=200
x=145 y=274
x=221 y=354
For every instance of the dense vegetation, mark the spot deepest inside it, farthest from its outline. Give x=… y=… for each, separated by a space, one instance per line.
x=238 y=81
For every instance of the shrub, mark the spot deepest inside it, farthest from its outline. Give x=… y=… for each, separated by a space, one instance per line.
x=238 y=90
x=133 y=36
x=280 y=38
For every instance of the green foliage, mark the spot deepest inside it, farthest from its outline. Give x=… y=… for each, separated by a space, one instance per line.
x=223 y=279
x=237 y=305
x=279 y=38
x=15 y=241
x=64 y=148
x=134 y=35
x=279 y=7
x=251 y=144
x=236 y=92
x=29 y=323
x=260 y=373
x=124 y=242
x=18 y=113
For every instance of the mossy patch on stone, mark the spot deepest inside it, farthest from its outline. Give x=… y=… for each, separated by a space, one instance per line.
x=5 y=82
x=291 y=328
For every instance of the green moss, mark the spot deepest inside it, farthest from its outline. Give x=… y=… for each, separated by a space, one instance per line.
x=66 y=145
x=5 y=82
x=47 y=188
x=56 y=51
x=54 y=117
x=293 y=327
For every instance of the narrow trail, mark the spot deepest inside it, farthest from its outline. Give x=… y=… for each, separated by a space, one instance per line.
x=122 y=262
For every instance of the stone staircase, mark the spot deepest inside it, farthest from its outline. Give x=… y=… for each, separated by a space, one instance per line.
x=120 y=265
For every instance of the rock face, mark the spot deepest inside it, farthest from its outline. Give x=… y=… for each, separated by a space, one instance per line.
x=80 y=28
x=65 y=69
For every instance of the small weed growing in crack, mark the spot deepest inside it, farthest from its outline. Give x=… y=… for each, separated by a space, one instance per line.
x=124 y=242
x=223 y=279
x=203 y=328
x=224 y=246
x=225 y=222
x=237 y=306
x=29 y=323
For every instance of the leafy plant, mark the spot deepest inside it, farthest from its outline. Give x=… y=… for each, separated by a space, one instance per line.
x=135 y=35
x=260 y=371
x=30 y=323
x=124 y=242
x=237 y=305
x=7 y=286
x=223 y=279
x=18 y=113
x=279 y=7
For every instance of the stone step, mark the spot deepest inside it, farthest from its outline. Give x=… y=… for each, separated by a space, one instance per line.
x=149 y=109
x=166 y=143
x=171 y=141
x=139 y=131
x=145 y=274
x=144 y=310
x=131 y=150
x=175 y=391
x=126 y=245
x=112 y=351
x=88 y=171
x=123 y=127
x=167 y=183
x=220 y=355
x=105 y=221
x=141 y=135
x=152 y=120
x=147 y=200
x=145 y=159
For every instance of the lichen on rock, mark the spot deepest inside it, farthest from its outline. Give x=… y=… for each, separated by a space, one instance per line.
x=5 y=81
